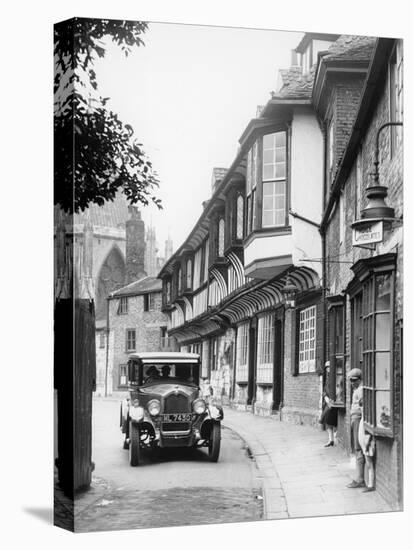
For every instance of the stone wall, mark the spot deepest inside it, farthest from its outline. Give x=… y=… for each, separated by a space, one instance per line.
x=146 y=323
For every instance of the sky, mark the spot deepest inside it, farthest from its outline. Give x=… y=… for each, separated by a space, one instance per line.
x=189 y=94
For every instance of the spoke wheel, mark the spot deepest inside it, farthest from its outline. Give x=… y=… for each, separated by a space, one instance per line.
x=135 y=452
x=214 y=442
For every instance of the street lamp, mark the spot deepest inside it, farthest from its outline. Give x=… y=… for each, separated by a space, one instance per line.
x=369 y=228
x=289 y=292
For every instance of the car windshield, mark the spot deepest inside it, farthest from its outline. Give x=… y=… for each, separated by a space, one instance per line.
x=170 y=373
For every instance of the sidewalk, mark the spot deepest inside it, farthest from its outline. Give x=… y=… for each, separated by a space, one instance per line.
x=300 y=477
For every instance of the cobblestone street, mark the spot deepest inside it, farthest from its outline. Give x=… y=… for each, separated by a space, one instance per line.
x=131 y=509
x=178 y=487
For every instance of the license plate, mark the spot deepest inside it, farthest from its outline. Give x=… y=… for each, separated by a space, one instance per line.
x=177 y=417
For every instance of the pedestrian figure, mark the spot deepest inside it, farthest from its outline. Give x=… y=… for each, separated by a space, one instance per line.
x=361 y=444
x=329 y=413
x=368 y=446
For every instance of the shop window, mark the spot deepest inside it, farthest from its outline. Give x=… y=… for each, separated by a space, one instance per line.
x=265 y=349
x=123 y=375
x=307 y=340
x=130 y=340
x=336 y=332
x=242 y=353
x=377 y=351
x=123 y=306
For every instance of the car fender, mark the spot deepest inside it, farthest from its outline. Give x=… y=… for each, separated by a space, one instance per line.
x=125 y=404
x=215 y=411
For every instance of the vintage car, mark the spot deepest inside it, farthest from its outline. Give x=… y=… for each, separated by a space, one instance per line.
x=166 y=407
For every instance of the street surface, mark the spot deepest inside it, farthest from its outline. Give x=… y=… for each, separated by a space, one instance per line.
x=180 y=487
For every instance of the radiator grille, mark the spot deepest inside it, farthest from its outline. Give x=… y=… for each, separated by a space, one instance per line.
x=176 y=426
x=177 y=404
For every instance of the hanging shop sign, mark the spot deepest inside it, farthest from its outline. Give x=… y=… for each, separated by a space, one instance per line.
x=367 y=233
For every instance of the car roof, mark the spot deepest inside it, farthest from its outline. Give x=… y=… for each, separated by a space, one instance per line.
x=165 y=357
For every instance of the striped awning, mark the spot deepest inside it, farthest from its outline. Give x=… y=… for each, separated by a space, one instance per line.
x=245 y=304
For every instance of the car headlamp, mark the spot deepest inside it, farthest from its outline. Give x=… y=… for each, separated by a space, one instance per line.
x=199 y=406
x=154 y=407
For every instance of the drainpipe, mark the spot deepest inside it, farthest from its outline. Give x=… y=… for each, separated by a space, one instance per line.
x=107 y=347
x=323 y=251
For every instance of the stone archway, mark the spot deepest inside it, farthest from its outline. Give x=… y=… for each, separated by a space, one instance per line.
x=112 y=275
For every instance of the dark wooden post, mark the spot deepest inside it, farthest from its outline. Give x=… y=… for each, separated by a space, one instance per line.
x=74 y=355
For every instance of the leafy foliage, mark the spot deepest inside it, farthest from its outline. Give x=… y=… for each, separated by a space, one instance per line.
x=96 y=154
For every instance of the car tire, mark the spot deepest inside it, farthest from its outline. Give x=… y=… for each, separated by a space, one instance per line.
x=135 y=453
x=214 y=442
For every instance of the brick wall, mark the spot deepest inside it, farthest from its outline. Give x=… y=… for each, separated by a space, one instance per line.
x=146 y=323
x=388 y=456
x=302 y=392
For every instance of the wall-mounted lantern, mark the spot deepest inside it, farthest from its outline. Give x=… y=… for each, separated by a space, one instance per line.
x=289 y=292
x=376 y=215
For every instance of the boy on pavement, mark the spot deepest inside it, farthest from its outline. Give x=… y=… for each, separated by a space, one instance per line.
x=355 y=417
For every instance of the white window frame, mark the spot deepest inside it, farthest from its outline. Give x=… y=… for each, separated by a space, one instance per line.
x=129 y=339
x=274 y=183
x=242 y=352
x=239 y=234
x=265 y=349
x=123 y=378
x=123 y=306
x=307 y=340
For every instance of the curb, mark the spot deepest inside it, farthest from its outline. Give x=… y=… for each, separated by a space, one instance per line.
x=274 y=500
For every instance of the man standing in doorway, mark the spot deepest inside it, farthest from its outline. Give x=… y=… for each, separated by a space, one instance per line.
x=355 y=418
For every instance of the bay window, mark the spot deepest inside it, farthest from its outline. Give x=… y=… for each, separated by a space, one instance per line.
x=274 y=180
x=266 y=182
x=265 y=349
x=377 y=329
x=372 y=338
